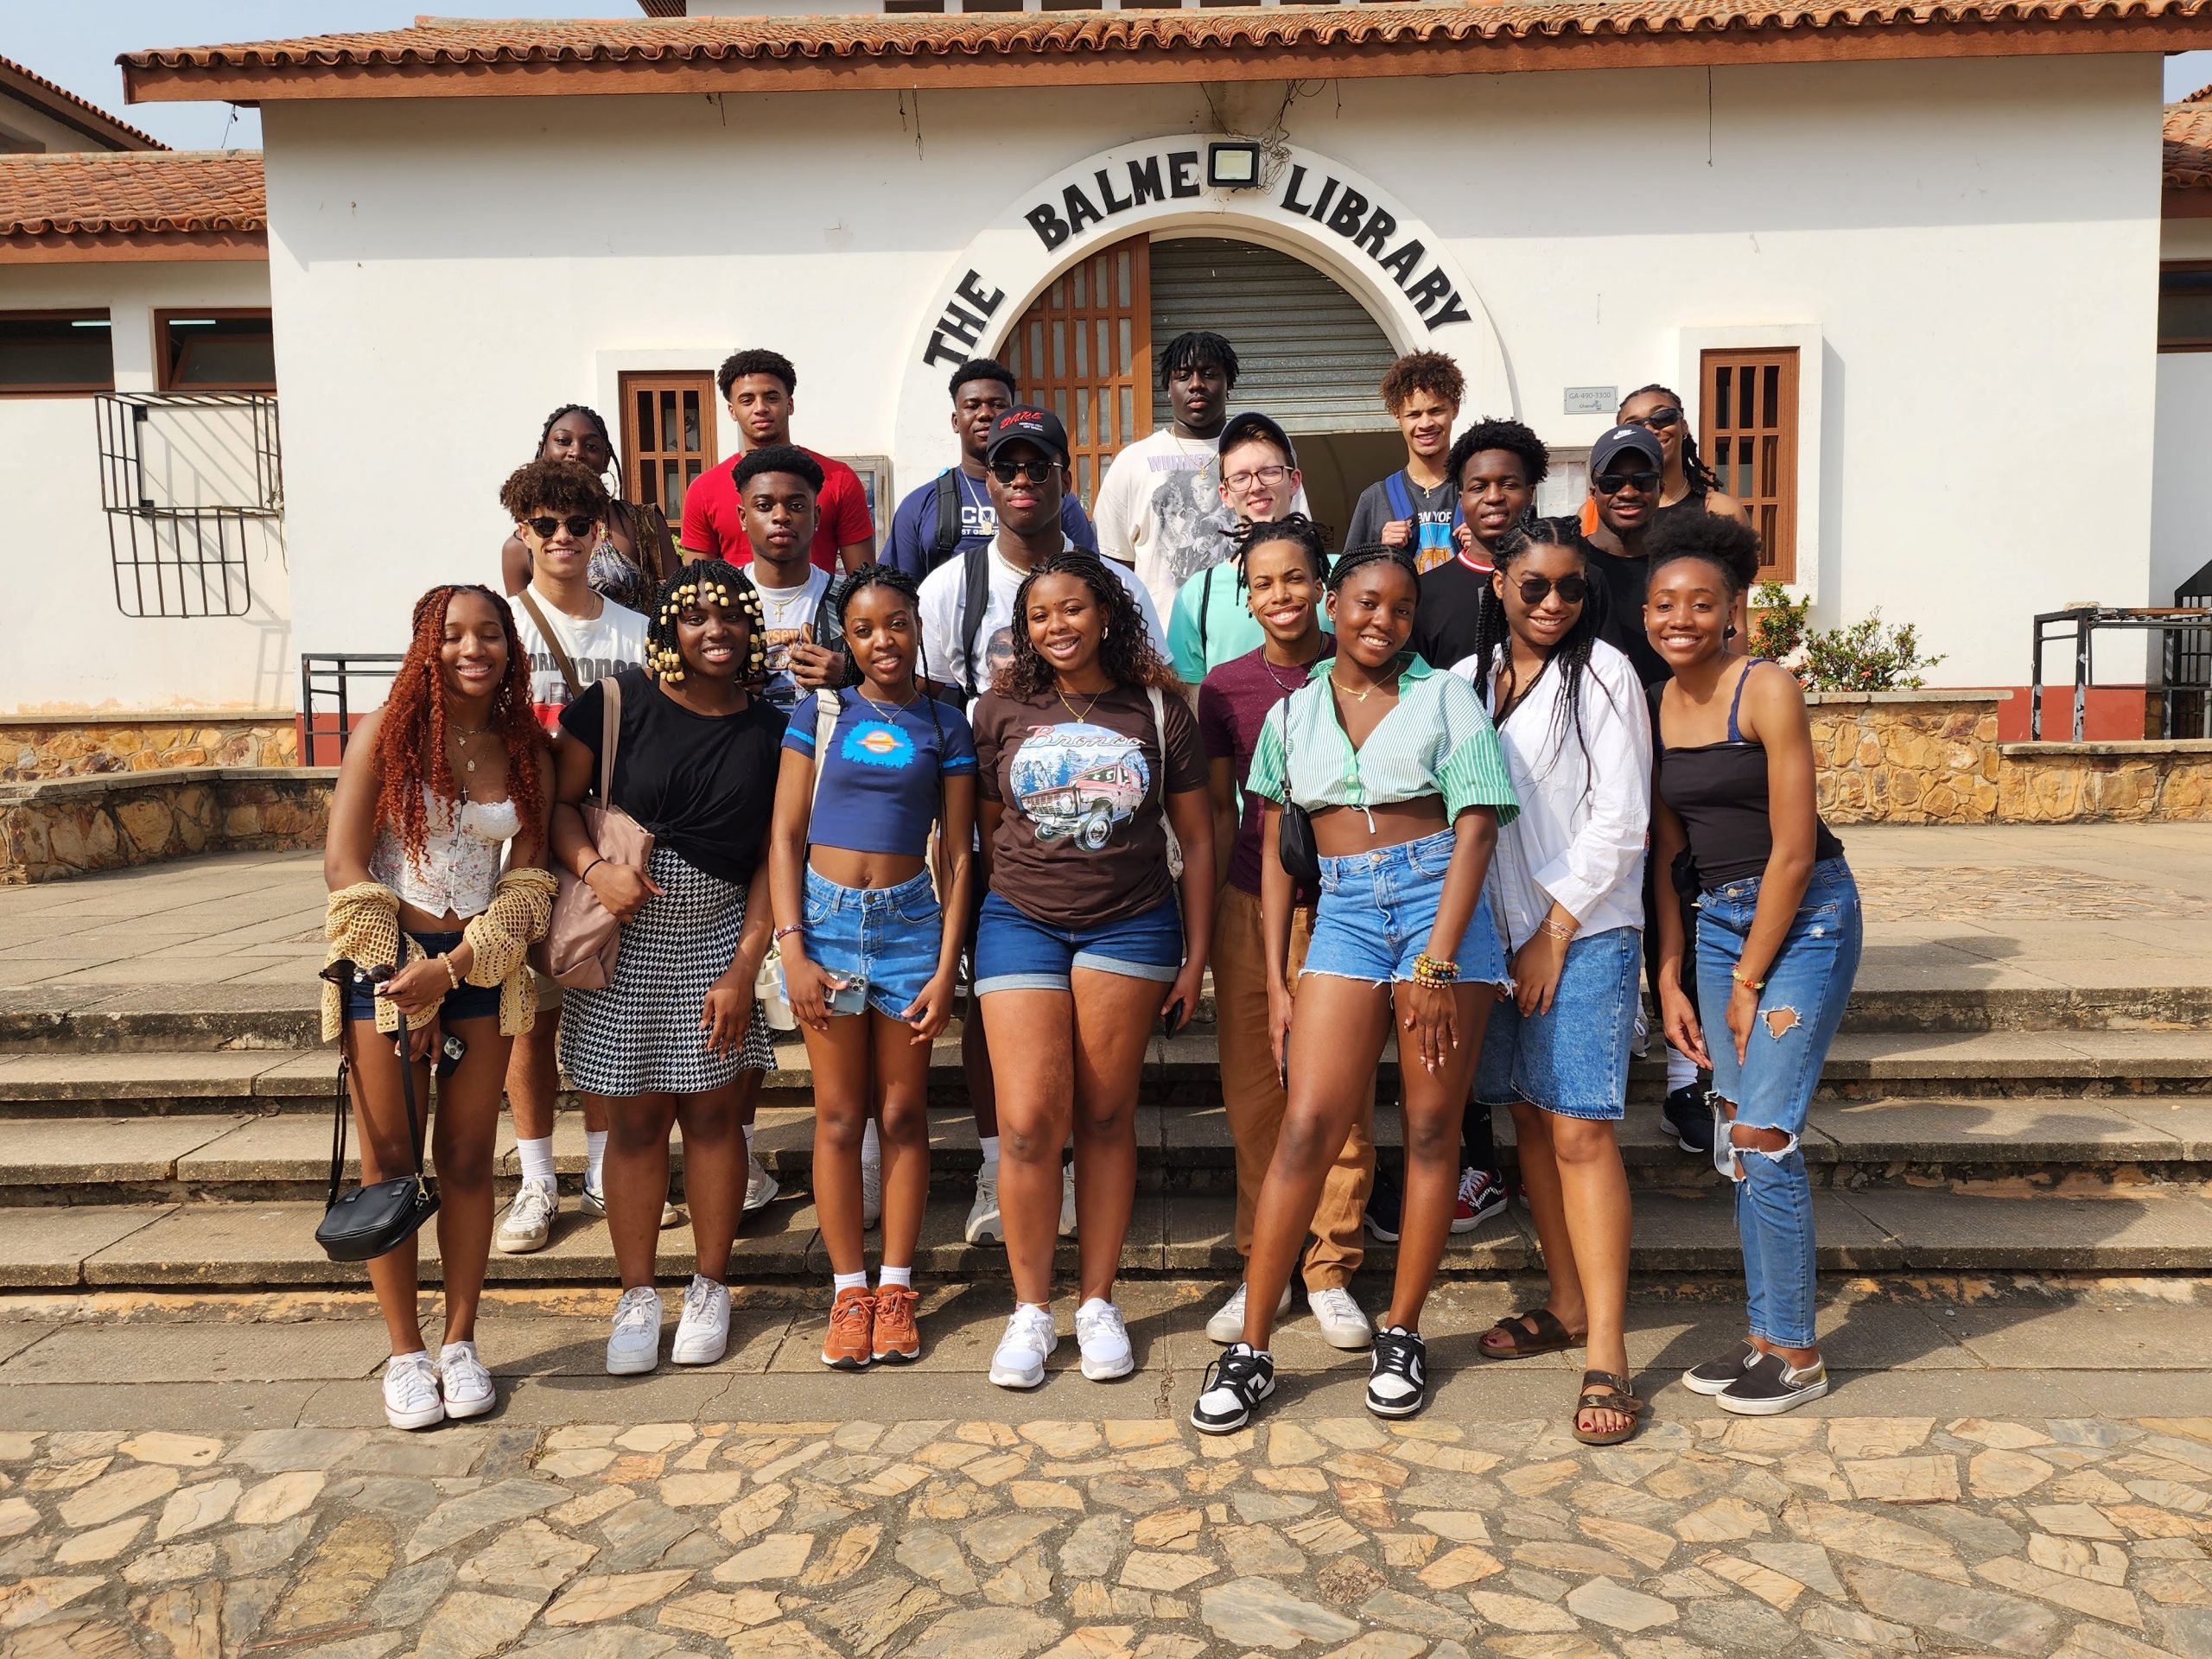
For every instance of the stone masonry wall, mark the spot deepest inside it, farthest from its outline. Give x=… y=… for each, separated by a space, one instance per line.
x=1906 y=757
x=66 y=827
x=34 y=748
x=2090 y=783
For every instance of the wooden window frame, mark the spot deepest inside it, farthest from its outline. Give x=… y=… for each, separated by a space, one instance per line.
x=163 y=371
x=637 y=455
x=2185 y=345
x=64 y=313
x=1778 y=533
x=1079 y=381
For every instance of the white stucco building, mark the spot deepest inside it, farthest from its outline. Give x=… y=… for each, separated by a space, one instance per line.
x=1927 y=244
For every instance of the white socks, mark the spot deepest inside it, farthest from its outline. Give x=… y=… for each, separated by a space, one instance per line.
x=871 y=1144
x=595 y=1156
x=990 y=1145
x=840 y=1282
x=748 y=1140
x=901 y=1277
x=1682 y=1070
x=536 y=1159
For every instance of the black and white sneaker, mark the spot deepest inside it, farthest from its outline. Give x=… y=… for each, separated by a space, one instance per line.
x=1769 y=1387
x=1397 y=1380
x=1716 y=1374
x=1235 y=1385
x=1687 y=1115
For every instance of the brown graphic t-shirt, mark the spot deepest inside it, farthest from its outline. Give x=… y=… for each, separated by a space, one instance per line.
x=1084 y=837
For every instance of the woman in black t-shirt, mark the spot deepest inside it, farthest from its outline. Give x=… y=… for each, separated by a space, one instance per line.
x=665 y=1041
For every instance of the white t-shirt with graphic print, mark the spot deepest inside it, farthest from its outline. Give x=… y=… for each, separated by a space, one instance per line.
x=596 y=647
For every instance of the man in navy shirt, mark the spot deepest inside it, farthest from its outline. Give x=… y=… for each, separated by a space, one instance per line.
x=952 y=513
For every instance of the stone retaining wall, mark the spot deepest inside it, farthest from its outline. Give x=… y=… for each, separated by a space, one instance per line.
x=2092 y=783
x=34 y=746
x=1906 y=757
x=66 y=827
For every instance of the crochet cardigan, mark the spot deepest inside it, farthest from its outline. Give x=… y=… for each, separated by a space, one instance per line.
x=362 y=924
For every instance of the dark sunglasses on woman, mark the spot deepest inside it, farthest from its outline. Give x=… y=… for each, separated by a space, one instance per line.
x=579 y=525
x=1573 y=590
x=1665 y=415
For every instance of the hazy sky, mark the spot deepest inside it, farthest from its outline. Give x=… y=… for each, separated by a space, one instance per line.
x=75 y=42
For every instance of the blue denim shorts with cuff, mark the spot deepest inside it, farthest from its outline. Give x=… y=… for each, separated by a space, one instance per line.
x=1016 y=952
x=1377 y=910
x=468 y=1002
x=885 y=938
x=1571 y=1061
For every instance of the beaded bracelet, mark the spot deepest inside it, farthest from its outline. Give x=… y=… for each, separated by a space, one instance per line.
x=1434 y=972
x=452 y=972
x=1754 y=985
x=777 y=938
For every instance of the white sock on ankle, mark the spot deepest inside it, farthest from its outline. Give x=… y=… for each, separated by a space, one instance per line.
x=536 y=1159
x=748 y=1140
x=871 y=1144
x=901 y=1276
x=1682 y=1070
x=990 y=1145
x=594 y=1155
x=844 y=1281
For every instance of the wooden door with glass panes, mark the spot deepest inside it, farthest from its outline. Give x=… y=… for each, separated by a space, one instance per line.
x=1084 y=350
x=668 y=436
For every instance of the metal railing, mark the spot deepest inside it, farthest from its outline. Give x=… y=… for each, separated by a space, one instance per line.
x=326 y=678
x=2182 y=631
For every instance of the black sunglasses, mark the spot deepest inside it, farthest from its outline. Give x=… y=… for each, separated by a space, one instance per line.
x=1008 y=472
x=1608 y=483
x=1665 y=415
x=1572 y=590
x=580 y=525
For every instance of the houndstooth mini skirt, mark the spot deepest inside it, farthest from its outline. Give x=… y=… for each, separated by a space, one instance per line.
x=641 y=1035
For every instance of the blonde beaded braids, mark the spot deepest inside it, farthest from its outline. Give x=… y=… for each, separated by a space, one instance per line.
x=706 y=581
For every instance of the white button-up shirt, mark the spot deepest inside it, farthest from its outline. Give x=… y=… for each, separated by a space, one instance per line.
x=1579 y=838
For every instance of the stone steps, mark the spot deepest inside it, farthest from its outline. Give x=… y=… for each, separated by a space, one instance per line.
x=246 y=1246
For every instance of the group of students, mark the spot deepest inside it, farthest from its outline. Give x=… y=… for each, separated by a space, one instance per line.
x=1475 y=783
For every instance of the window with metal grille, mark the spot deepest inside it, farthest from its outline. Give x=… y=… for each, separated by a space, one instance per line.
x=43 y=353
x=668 y=436
x=215 y=350
x=1748 y=436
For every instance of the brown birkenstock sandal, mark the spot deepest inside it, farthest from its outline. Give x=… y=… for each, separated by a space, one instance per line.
x=1603 y=1391
x=1519 y=1335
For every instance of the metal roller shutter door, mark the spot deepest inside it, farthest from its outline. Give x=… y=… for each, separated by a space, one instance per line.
x=1312 y=357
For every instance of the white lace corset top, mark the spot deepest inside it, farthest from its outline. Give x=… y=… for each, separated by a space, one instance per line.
x=460 y=859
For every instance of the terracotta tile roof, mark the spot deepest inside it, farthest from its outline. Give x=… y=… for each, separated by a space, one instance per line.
x=2188 y=145
x=173 y=193
x=19 y=80
x=1234 y=43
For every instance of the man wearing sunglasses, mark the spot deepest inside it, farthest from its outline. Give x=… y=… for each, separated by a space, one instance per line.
x=1690 y=484
x=1627 y=468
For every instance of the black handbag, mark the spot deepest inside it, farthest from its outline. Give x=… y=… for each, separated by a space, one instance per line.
x=1301 y=859
x=376 y=1216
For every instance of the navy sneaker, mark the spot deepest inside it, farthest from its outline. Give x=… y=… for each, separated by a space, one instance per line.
x=1384 y=1202
x=1688 y=1116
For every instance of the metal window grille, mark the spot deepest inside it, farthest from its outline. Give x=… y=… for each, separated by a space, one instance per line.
x=184 y=479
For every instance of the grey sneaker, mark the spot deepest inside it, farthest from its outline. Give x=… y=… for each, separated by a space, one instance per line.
x=761 y=1187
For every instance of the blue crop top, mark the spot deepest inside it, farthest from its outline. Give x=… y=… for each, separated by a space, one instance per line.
x=879 y=789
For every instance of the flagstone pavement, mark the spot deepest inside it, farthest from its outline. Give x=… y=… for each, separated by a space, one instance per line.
x=2079 y=1538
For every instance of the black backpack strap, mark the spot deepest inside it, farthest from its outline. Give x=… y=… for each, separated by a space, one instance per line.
x=945 y=538
x=975 y=599
x=1205 y=604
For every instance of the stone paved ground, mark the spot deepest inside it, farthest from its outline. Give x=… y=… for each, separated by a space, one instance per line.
x=2081 y=1538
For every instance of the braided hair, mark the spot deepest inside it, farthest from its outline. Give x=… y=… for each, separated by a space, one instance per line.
x=1294 y=527
x=410 y=748
x=1700 y=476
x=613 y=454
x=902 y=583
x=1194 y=349
x=701 y=582
x=1358 y=558
x=1570 y=658
x=1125 y=653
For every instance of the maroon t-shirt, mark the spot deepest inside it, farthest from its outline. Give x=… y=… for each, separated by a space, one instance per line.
x=1233 y=700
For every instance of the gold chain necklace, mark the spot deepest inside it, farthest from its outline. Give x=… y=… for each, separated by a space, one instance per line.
x=1085 y=716
x=1357 y=696
x=890 y=716
x=460 y=741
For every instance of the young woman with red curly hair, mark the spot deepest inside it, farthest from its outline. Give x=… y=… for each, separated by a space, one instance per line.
x=452 y=772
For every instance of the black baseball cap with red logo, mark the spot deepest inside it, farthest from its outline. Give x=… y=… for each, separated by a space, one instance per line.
x=1029 y=425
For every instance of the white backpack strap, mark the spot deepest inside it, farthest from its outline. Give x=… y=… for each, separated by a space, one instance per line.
x=826 y=708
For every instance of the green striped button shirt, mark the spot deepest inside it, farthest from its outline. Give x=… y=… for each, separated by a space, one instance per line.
x=1439 y=740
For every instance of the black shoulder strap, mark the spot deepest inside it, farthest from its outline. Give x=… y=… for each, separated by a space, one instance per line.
x=975 y=599
x=945 y=538
x=1205 y=604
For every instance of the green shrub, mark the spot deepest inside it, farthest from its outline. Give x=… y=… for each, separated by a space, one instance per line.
x=1867 y=655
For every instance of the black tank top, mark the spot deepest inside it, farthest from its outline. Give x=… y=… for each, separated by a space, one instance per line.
x=1692 y=503
x=1718 y=792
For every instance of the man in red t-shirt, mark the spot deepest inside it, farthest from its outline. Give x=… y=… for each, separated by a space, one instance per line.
x=757 y=386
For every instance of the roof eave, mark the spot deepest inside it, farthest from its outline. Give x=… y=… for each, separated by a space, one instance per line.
x=115 y=246
x=75 y=113
x=1602 y=48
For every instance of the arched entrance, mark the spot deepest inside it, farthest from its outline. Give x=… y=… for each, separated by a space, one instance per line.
x=1311 y=355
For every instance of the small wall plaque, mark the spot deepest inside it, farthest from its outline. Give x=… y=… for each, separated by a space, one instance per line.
x=1592 y=400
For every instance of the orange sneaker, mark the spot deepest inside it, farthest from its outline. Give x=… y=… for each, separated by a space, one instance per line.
x=851 y=1338
x=896 y=1338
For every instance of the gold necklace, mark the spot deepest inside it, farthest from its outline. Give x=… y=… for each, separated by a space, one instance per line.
x=460 y=741
x=890 y=715
x=1357 y=696
x=1081 y=718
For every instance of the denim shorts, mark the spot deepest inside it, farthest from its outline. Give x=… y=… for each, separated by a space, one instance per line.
x=1015 y=952
x=469 y=1002
x=886 y=937
x=1573 y=1061
x=1377 y=910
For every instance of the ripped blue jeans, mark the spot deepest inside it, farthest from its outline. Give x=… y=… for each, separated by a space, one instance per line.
x=1800 y=1010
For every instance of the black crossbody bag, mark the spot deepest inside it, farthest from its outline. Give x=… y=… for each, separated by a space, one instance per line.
x=1301 y=859
x=376 y=1216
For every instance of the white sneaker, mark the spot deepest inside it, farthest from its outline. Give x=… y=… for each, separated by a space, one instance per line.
x=761 y=1188
x=410 y=1392
x=983 y=1215
x=1029 y=1340
x=528 y=1224
x=871 y=1191
x=594 y=1203
x=1104 y=1341
x=1067 y=1200
x=464 y=1382
x=702 y=1334
x=634 y=1346
x=1343 y=1322
x=1228 y=1323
